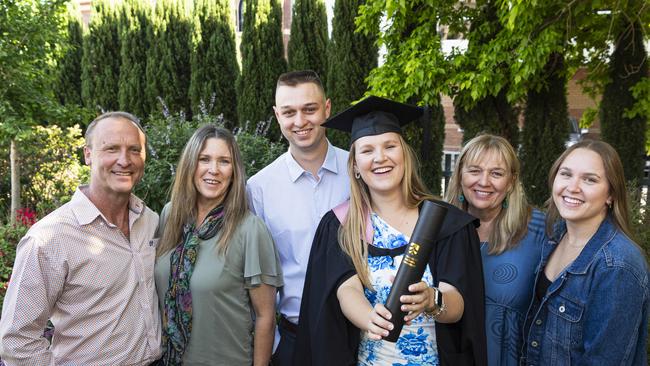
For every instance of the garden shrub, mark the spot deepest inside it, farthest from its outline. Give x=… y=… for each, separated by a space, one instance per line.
x=10 y=235
x=51 y=167
x=166 y=138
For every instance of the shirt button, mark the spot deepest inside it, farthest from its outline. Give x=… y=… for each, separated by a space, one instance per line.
x=534 y=344
x=562 y=308
x=538 y=321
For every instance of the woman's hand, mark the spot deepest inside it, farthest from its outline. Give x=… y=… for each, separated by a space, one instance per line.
x=420 y=300
x=379 y=324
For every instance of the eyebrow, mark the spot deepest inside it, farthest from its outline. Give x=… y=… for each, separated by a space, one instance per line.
x=311 y=104
x=479 y=167
x=588 y=174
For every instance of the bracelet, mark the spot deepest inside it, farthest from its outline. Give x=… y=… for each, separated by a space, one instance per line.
x=439 y=307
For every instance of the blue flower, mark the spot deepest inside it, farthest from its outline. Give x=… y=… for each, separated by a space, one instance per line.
x=371 y=296
x=381 y=262
x=413 y=344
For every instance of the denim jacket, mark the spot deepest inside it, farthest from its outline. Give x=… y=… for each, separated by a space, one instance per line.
x=596 y=311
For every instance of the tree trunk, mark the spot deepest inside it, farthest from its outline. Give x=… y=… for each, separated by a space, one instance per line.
x=15 y=180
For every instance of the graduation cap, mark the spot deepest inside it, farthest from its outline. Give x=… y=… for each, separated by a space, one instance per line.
x=374 y=116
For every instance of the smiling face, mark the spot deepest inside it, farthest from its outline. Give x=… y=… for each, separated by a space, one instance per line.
x=379 y=160
x=300 y=111
x=581 y=189
x=485 y=184
x=213 y=174
x=116 y=156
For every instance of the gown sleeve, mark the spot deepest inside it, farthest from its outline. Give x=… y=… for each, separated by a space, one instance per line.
x=457 y=261
x=325 y=336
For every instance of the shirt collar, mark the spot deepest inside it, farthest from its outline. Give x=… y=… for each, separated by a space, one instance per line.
x=86 y=212
x=606 y=231
x=330 y=163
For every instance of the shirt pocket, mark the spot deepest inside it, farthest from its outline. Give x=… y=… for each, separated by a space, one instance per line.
x=148 y=255
x=565 y=320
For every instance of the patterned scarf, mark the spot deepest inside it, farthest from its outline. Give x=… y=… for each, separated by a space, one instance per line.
x=177 y=317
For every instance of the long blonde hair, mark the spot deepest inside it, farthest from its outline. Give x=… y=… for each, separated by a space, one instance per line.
x=511 y=224
x=619 y=210
x=184 y=194
x=352 y=232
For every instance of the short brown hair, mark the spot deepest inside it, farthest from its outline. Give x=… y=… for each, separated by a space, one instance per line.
x=116 y=114
x=293 y=78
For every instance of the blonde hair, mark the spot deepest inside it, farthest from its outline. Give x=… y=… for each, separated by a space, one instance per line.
x=352 y=232
x=184 y=194
x=613 y=172
x=511 y=224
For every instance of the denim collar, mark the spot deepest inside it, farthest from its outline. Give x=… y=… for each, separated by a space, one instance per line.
x=602 y=237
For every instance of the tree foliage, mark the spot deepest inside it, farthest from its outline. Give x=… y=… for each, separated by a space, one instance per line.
x=351 y=57
x=133 y=55
x=214 y=62
x=168 y=71
x=262 y=62
x=492 y=113
x=68 y=82
x=30 y=31
x=545 y=131
x=307 y=49
x=101 y=58
x=627 y=134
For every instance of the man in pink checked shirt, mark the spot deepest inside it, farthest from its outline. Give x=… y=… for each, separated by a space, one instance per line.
x=88 y=266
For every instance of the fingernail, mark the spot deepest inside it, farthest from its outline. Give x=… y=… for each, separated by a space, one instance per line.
x=391 y=327
x=403 y=307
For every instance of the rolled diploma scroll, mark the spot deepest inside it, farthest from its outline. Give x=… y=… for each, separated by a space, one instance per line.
x=416 y=257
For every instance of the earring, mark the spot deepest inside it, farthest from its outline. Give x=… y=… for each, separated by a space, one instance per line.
x=609 y=205
x=504 y=204
x=357 y=175
x=461 y=198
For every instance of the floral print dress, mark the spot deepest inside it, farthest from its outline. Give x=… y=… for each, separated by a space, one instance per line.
x=416 y=344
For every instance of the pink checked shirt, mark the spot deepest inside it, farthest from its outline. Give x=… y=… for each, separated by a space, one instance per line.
x=96 y=285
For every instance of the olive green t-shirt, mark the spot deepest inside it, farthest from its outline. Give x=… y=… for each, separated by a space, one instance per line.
x=222 y=316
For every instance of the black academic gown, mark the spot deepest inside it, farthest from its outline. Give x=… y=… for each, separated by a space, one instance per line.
x=326 y=337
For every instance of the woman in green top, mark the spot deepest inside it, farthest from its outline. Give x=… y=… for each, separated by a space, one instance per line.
x=216 y=262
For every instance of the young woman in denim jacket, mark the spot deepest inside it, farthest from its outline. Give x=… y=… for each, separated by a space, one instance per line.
x=591 y=296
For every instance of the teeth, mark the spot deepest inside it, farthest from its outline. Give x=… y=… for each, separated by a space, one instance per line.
x=382 y=170
x=211 y=181
x=301 y=132
x=573 y=201
x=482 y=193
x=124 y=174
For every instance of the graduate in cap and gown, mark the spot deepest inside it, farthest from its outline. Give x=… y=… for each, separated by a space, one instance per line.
x=358 y=248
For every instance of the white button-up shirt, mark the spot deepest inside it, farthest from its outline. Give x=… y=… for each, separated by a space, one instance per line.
x=291 y=201
x=97 y=287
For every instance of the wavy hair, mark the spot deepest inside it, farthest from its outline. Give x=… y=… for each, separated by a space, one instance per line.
x=184 y=194
x=351 y=234
x=511 y=223
x=619 y=211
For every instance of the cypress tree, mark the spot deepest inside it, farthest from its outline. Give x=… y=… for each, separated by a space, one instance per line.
x=546 y=128
x=168 y=59
x=351 y=56
x=307 y=48
x=68 y=84
x=493 y=113
x=427 y=138
x=628 y=66
x=133 y=38
x=214 y=61
x=101 y=58
x=262 y=62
